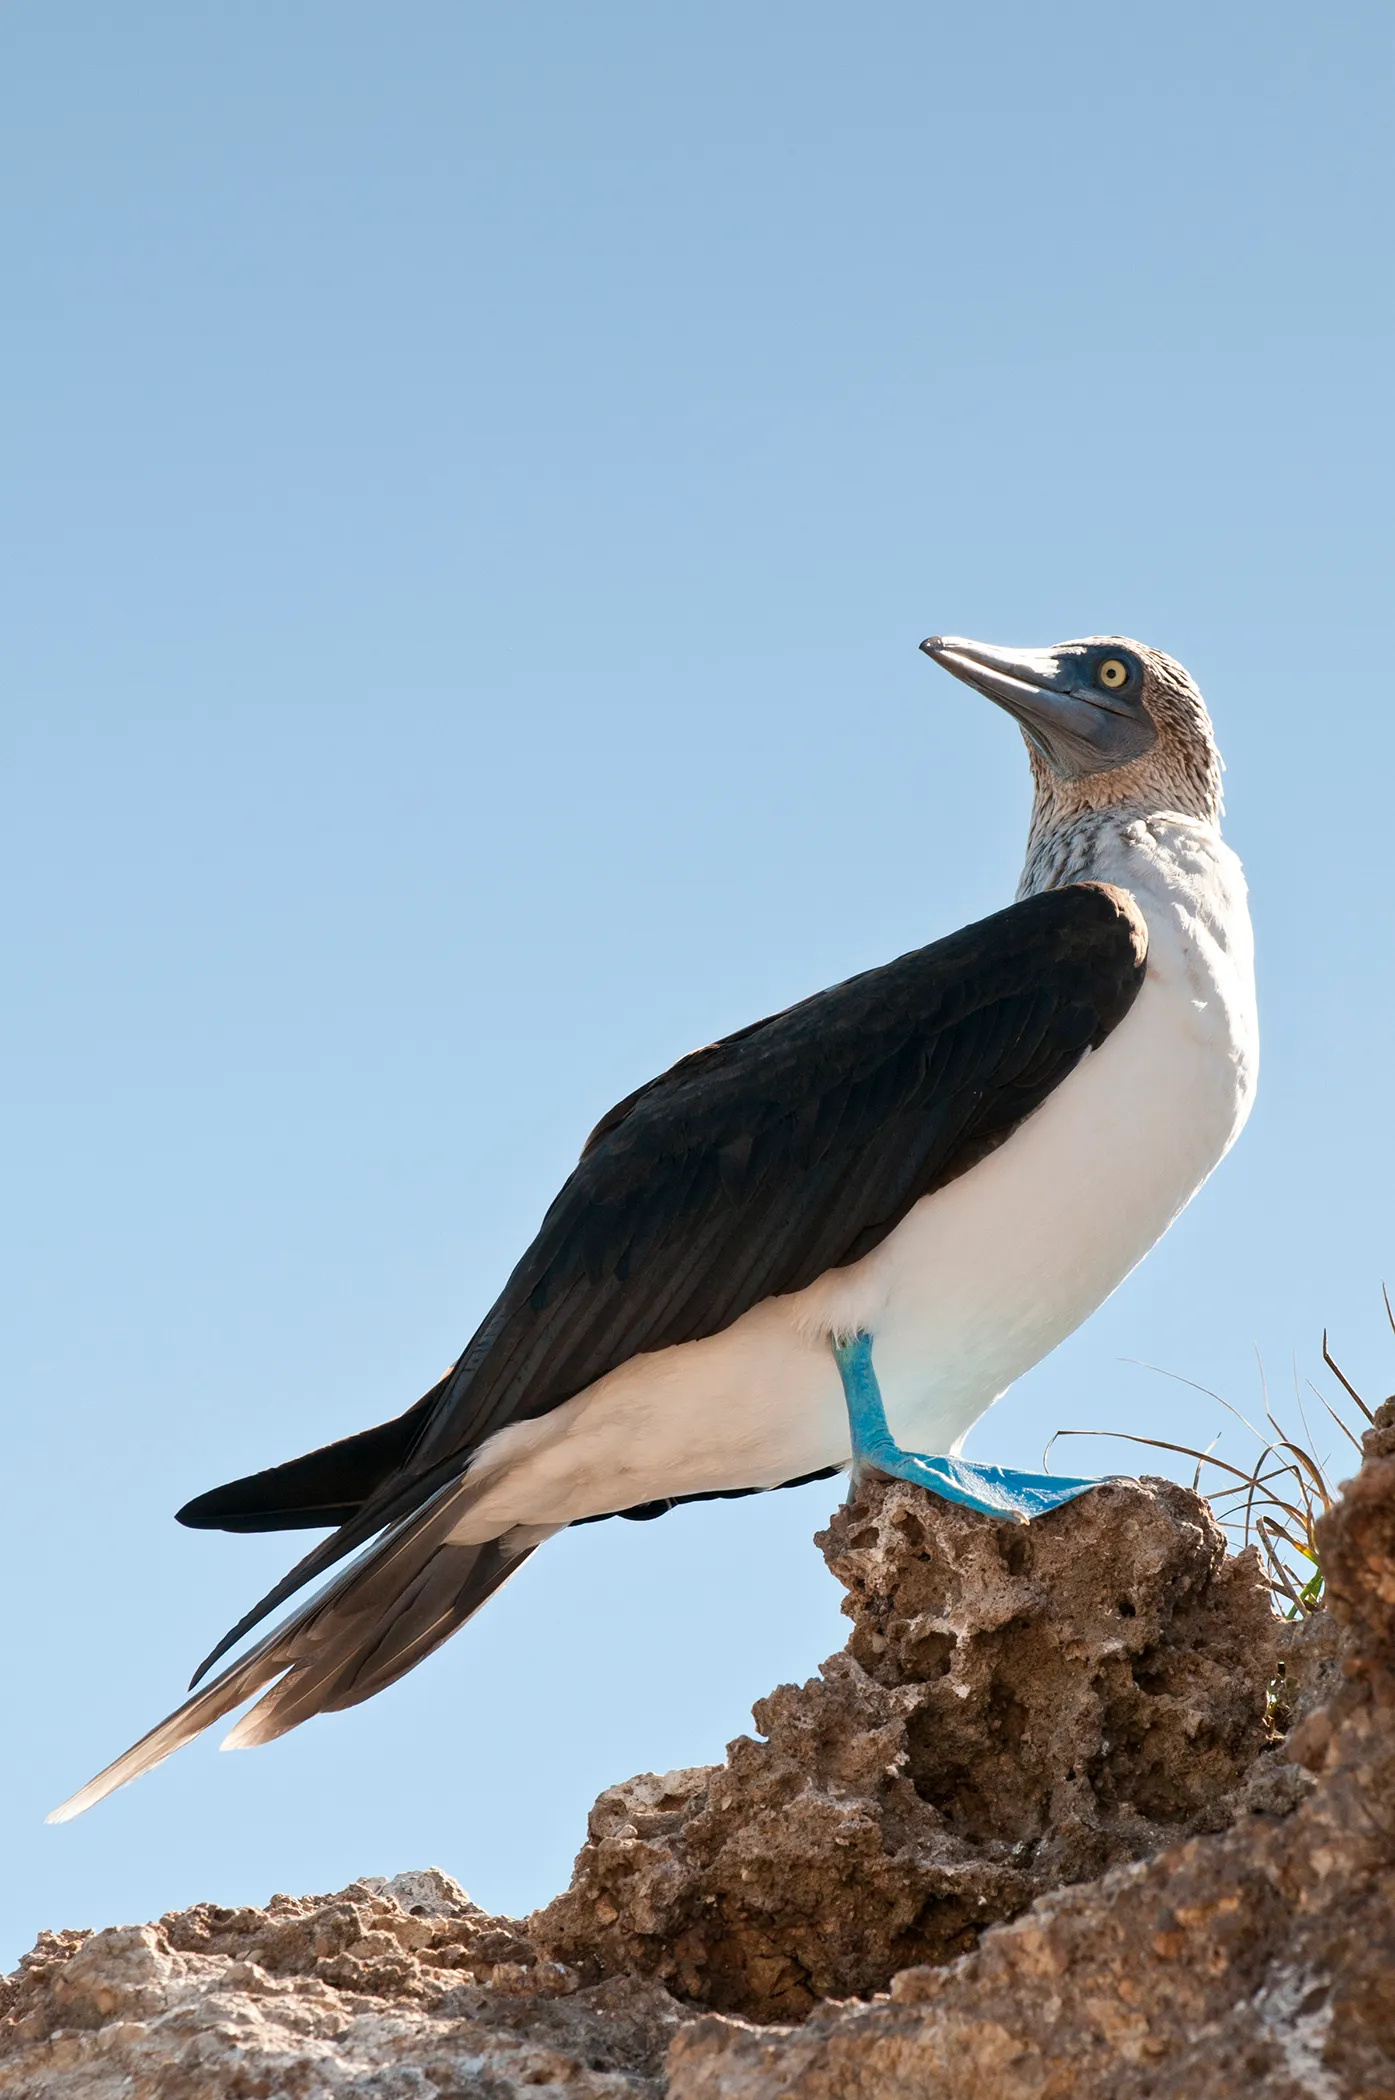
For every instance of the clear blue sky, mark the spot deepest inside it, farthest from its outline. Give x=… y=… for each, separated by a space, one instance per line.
x=475 y=480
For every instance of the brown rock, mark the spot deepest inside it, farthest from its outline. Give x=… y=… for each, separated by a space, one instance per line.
x=389 y=1988
x=1258 y=1963
x=1017 y=1708
x=1379 y=1440
x=1055 y=1749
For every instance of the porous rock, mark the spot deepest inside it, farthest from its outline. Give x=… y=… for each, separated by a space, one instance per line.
x=1038 y=1747
x=401 y=1989
x=1253 y=1964
x=1018 y=1707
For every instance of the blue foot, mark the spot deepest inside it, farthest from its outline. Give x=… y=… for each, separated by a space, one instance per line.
x=996 y=1490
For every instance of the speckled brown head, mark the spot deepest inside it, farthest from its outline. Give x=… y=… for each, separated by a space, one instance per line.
x=1108 y=724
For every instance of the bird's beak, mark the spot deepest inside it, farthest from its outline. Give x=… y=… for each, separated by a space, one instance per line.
x=1077 y=728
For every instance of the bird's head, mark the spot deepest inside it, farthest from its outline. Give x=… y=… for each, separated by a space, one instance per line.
x=1107 y=723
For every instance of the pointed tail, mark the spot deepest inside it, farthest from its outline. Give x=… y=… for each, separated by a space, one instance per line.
x=385 y=1612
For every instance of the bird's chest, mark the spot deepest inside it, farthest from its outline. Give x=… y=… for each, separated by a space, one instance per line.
x=1199 y=988
x=988 y=1273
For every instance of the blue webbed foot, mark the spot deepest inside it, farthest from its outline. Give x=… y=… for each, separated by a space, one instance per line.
x=996 y=1490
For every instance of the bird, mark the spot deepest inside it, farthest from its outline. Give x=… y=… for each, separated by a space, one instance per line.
x=827 y=1242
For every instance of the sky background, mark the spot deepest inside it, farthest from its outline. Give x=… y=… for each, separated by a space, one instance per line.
x=474 y=482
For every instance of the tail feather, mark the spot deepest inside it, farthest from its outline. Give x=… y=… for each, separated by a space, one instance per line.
x=219 y=1698
x=364 y=1654
x=416 y=1498
x=363 y=1630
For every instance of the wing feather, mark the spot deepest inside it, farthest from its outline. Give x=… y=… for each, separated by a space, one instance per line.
x=760 y=1162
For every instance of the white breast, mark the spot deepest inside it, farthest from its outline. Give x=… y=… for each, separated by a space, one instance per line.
x=986 y=1276
x=981 y=1279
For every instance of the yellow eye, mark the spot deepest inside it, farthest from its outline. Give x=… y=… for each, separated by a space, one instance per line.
x=1112 y=674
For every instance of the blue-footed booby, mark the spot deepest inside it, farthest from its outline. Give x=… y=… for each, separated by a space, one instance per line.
x=831 y=1239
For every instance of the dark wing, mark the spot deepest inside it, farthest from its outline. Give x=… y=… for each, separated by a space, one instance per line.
x=754 y=1165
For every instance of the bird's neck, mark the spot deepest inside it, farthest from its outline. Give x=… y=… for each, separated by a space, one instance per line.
x=1098 y=844
x=1077 y=822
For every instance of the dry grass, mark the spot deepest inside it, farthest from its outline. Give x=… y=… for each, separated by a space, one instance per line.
x=1275 y=1502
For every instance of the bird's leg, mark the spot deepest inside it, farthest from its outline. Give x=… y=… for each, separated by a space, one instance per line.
x=995 y=1490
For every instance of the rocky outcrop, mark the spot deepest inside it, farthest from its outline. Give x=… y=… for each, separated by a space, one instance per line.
x=1036 y=1833
x=1019 y=1707
x=1259 y=1962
